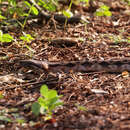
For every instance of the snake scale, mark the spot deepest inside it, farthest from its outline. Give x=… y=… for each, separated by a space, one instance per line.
x=110 y=65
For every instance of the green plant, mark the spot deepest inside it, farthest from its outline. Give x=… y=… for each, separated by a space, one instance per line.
x=50 y=5
x=5 y=37
x=103 y=11
x=26 y=37
x=67 y=13
x=47 y=103
x=16 y=10
x=32 y=10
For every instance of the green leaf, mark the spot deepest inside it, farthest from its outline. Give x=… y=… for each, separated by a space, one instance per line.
x=53 y=100
x=68 y=13
x=99 y=13
x=103 y=11
x=1 y=35
x=36 y=108
x=52 y=94
x=107 y=13
x=34 y=10
x=2 y=17
x=23 y=38
x=12 y=2
x=26 y=37
x=44 y=90
x=50 y=5
x=6 y=38
x=49 y=101
x=29 y=37
x=25 y=14
x=104 y=7
x=27 y=3
x=42 y=101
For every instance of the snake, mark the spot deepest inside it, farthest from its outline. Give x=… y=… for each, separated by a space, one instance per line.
x=109 y=65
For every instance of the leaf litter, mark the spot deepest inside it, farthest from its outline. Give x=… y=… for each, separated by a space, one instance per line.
x=103 y=98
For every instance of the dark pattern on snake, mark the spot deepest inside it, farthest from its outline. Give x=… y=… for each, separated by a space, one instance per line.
x=111 y=65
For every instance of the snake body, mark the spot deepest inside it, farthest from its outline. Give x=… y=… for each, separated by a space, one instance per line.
x=111 y=65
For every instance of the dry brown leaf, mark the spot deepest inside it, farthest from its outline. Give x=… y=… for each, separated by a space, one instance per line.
x=125 y=74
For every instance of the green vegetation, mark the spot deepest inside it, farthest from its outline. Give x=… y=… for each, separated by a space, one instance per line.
x=5 y=37
x=103 y=11
x=47 y=103
x=26 y=37
x=49 y=100
x=50 y=5
x=16 y=10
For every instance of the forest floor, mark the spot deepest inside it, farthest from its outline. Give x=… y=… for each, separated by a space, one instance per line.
x=107 y=107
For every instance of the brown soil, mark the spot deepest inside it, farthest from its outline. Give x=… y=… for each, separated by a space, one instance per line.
x=100 y=38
